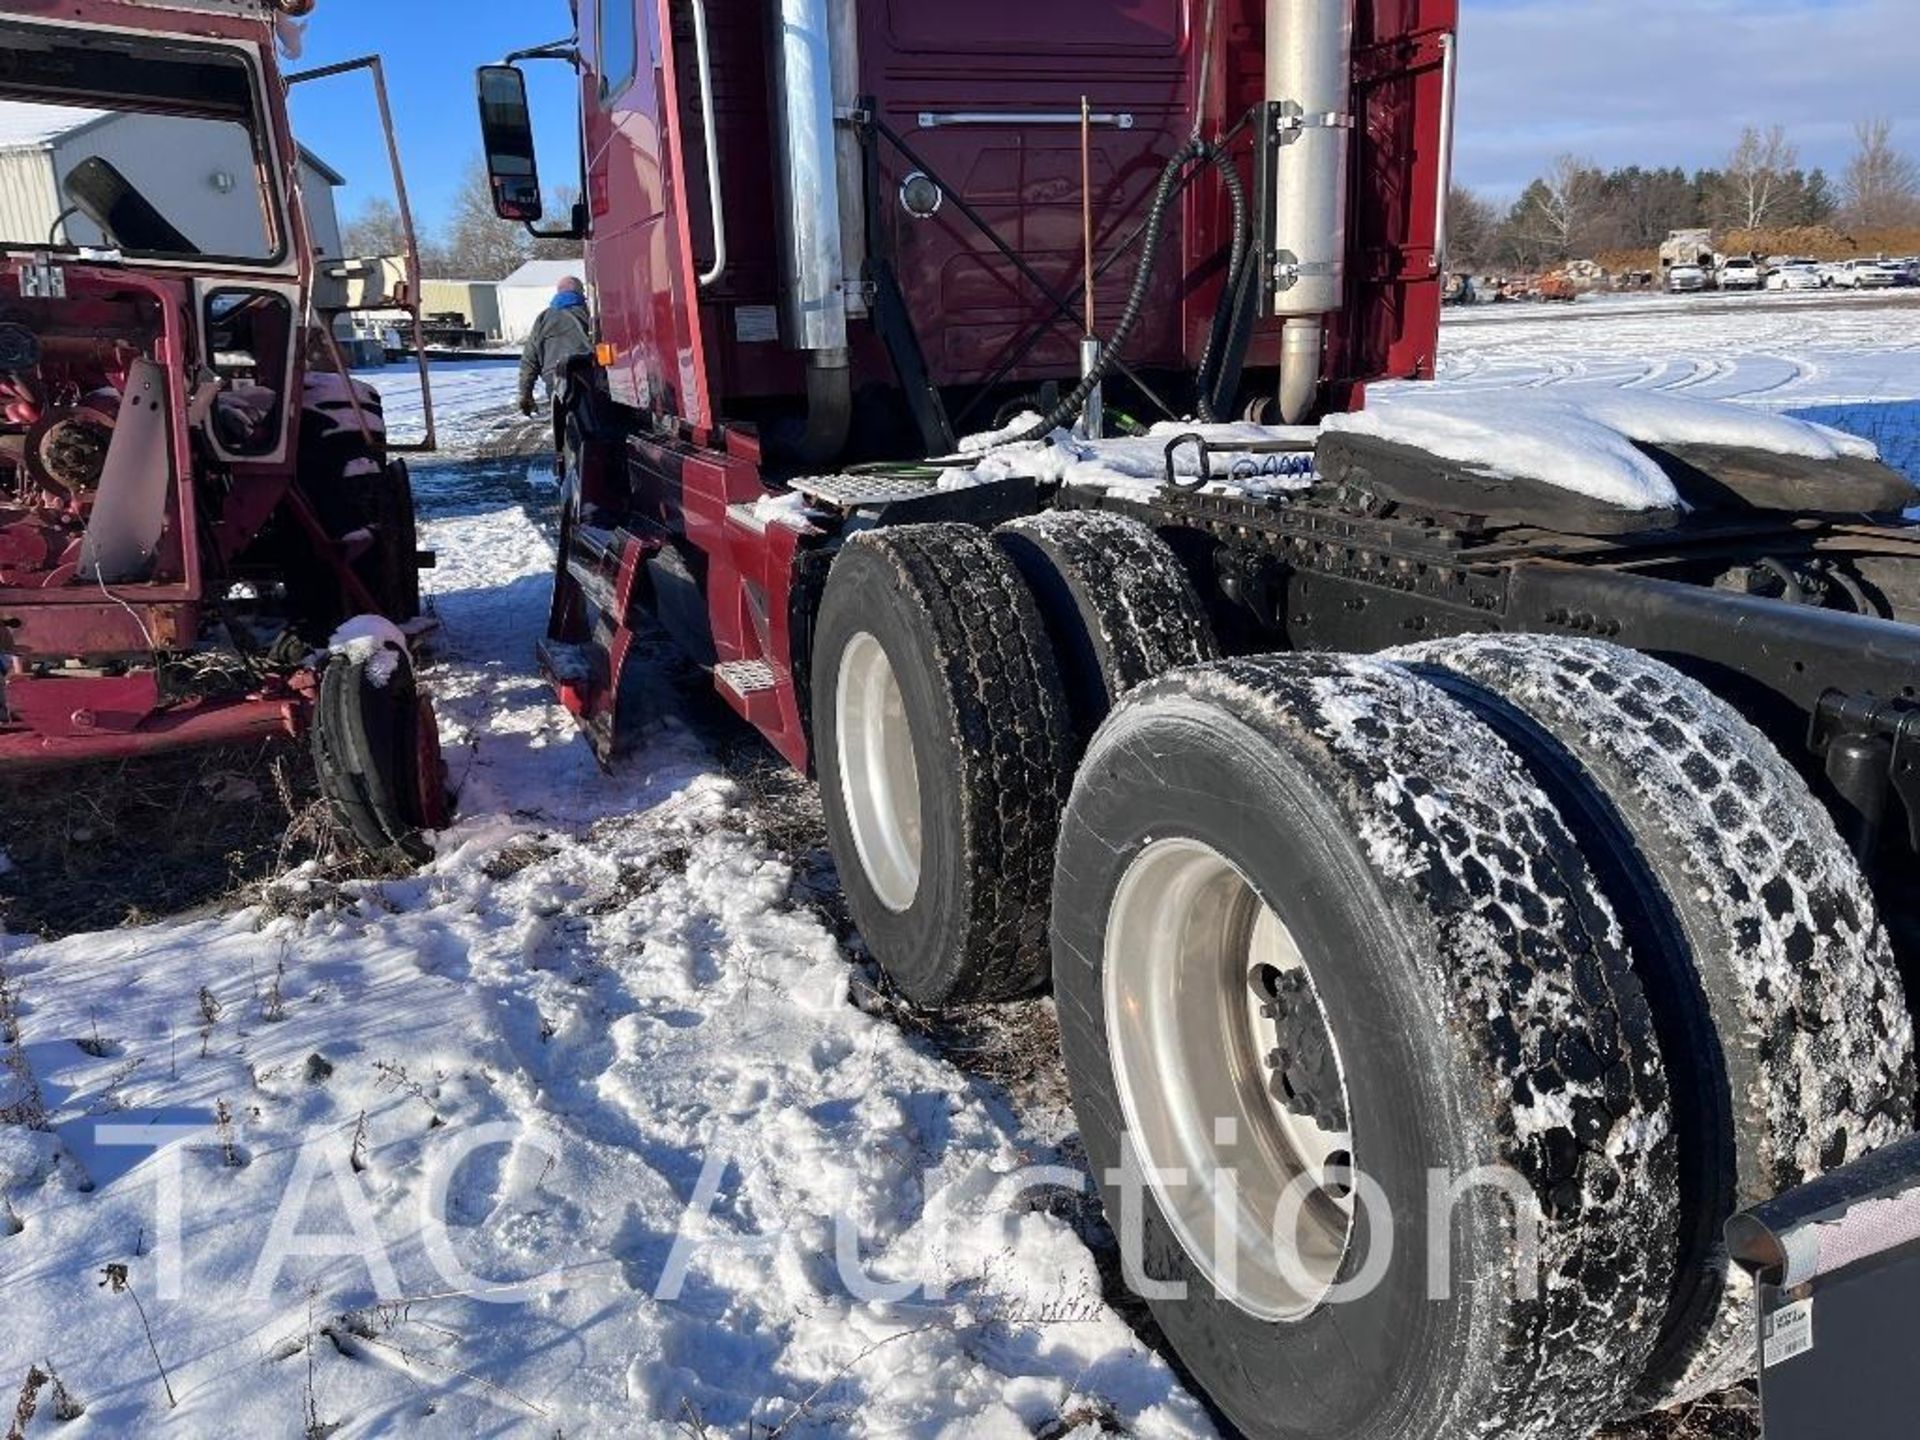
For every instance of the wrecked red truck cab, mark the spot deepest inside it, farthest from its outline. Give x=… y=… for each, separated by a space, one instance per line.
x=195 y=496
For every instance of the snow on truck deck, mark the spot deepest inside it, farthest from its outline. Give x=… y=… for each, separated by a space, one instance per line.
x=1561 y=395
x=588 y=1101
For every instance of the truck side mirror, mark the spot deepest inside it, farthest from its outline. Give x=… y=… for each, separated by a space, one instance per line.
x=506 y=129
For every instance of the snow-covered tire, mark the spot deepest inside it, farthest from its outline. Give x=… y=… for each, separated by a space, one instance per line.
x=1781 y=1011
x=376 y=750
x=1474 y=979
x=1116 y=602
x=950 y=893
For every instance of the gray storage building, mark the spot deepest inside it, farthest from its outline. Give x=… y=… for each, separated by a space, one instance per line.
x=198 y=175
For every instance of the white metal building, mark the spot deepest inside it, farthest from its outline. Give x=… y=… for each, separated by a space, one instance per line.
x=199 y=174
x=478 y=300
x=528 y=291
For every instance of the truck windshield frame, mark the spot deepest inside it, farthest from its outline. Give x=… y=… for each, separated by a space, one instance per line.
x=123 y=74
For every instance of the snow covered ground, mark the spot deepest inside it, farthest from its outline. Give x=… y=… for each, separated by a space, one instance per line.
x=472 y=401
x=595 y=1125
x=586 y=1129
x=1852 y=362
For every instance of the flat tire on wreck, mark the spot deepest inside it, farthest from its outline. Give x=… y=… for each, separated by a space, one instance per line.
x=1470 y=1008
x=376 y=751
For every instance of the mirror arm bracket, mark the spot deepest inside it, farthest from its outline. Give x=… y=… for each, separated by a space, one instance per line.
x=567 y=50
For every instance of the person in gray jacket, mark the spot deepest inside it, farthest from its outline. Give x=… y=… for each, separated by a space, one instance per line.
x=561 y=334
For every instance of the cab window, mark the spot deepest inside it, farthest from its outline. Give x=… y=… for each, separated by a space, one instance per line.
x=619 y=46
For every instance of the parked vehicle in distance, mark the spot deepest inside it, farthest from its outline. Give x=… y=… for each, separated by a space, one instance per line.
x=1687 y=280
x=1906 y=270
x=1862 y=275
x=1796 y=277
x=1742 y=272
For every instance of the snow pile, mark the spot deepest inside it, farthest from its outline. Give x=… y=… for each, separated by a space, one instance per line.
x=1845 y=361
x=1657 y=419
x=576 y=1131
x=1585 y=442
x=1136 y=467
x=372 y=641
x=787 y=507
x=1519 y=436
x=1588 y=444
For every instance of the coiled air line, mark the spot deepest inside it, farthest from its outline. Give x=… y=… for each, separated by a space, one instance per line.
x=1226 y=321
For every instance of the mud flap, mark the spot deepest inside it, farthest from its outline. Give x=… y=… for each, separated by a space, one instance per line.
x=1836 y=1268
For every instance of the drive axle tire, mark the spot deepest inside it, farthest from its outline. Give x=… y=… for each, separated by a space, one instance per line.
x=944 y=753
x=1326 y=856
x=376 y=750
x=1116 y=602
x=1781 y=1012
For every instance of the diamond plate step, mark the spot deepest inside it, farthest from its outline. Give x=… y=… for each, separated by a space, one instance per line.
x=849 y=492
x=745 y=677
x=598 y=590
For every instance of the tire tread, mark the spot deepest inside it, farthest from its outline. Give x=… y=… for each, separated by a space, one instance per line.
x=1014 y=755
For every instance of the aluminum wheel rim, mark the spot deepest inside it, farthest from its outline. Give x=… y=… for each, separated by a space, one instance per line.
x=879 y=776
x=1188 y=939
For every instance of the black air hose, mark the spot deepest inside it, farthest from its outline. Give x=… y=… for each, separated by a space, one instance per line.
x=1218 y=392
x=1226 y=314
x=1072 y=402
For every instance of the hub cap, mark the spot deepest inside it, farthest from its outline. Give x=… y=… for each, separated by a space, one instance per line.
x=879 y=780
x=1229 y=1077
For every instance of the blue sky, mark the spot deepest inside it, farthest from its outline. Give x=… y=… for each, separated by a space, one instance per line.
x=1654 y=81
x=430 y=49
x=1673 y=81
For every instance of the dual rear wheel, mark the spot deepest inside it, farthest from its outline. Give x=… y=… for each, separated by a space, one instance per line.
x=1426 y=1016
x=957 y=676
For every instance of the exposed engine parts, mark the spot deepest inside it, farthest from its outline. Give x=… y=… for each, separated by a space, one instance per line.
x=195 y=497
x=19 y=349
x=68 y=449
x=64 y=370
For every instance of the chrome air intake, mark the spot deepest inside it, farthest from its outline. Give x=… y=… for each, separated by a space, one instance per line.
x=1309 y=90
x=813 y=300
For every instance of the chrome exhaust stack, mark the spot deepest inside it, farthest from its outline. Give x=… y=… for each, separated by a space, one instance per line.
x=1309 y=95
x=813 y=299
x=844 y=18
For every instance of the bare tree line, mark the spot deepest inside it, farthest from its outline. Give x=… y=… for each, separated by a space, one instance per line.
x=475 y=244
x=1578 y=210
x=1574 y=210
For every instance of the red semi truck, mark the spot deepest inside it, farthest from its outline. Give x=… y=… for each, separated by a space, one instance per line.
x=195 y=497
x=1375 y=815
